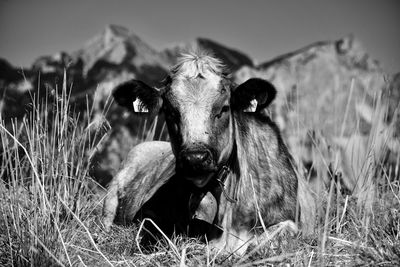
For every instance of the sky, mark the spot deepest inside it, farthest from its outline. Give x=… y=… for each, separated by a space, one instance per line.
x=261 y=29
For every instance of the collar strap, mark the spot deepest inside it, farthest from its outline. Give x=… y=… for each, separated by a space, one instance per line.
x=221 y=178
x=223 y=174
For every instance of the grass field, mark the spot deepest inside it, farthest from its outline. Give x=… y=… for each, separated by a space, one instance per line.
x=51 y=212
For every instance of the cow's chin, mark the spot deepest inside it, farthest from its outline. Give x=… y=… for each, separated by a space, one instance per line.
x=200 y=181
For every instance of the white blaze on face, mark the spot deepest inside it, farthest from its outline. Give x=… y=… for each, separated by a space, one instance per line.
x=196 y=97
x=195 y=122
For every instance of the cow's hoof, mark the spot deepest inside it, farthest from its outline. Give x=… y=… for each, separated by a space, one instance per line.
x=107 y=224
x=285 y=227
x=233 y=242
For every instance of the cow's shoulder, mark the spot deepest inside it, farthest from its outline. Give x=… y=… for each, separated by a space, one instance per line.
x=152 y=162
x=148 y=154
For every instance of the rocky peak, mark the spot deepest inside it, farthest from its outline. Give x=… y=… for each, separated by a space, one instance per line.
x=117 y=47
x=348 y=50
x=233 y=59
x=46 y=64
x=355 y=54
x=113 y=33
x=325 y=74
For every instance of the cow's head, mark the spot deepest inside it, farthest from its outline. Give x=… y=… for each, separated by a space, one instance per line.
x=198 y=101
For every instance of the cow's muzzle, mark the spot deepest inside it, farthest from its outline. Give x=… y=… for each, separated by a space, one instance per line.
x=197 y=161
x=197 y=164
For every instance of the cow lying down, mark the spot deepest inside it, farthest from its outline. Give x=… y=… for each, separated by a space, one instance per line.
x=226 y=174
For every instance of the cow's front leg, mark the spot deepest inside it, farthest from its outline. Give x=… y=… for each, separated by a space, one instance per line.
x=287 y=226
x=116 y=190
x=110 y=206
x=271 y=234
x=233 y=241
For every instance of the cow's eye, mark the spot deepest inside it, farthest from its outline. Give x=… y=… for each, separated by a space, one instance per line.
x=174 y=114
x=225 y=109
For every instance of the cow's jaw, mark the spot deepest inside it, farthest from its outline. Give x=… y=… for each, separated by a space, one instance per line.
x=200 y=181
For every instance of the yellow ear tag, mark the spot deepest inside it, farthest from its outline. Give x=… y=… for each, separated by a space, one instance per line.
x=252 y=107
x=139 y=107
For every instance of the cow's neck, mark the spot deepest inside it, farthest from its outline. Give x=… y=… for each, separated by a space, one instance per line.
x=217 y=187
x=224 y=173
x=246 y=149
x=223 y=185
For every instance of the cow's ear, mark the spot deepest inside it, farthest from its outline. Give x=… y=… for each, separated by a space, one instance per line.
x=138 y=97
x=253 y=95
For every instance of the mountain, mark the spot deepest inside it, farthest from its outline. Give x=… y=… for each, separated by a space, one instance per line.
x=116 y=50
x=332 y=75
x=232 y=58
x=8 y=73
x=327 y=91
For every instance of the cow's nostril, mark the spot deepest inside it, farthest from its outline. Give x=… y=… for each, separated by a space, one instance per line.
x=197 y=157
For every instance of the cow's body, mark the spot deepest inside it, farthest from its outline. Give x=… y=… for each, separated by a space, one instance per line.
x=212 y=139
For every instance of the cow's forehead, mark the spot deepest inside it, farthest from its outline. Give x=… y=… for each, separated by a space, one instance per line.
x=205 y=90
x=196 y=79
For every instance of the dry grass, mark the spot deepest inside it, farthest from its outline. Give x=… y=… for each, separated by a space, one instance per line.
x=50 y=215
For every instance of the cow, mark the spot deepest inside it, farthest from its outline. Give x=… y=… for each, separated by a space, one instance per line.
x=226 y=163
